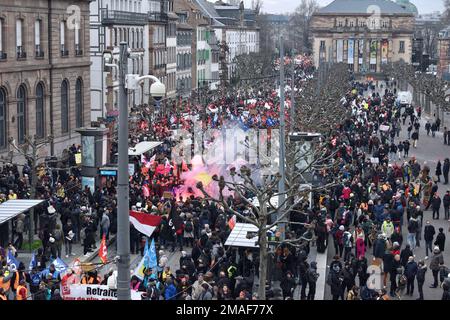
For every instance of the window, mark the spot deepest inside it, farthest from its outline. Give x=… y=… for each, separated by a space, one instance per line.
x=402 y=47
x=19 y=35
x=65 y=106
x=62 y=41
x=77 y=31
x=40 y=111
x=115 y=36
x=132 y=38
x=37 y=38
x=79 y=103
x=2 y=118
x=2 y=37
x=21 y=113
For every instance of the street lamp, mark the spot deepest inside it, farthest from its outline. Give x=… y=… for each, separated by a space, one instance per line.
x=157 y=90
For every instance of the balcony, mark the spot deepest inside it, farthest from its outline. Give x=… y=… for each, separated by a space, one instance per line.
x=38 y=52
x=78 y=51
x=20 y=53
x=158 y=17
x=3 y=56
x=64 y=53
x=111 y=17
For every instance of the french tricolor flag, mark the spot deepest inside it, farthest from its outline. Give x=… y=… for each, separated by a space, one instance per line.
x=144 y=222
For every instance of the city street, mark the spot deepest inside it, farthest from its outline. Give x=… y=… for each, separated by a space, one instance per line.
x=429 y=150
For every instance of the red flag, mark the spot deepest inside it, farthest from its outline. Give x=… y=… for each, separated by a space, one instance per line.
x=232 y=222
x=144 y=223
x=103 y=252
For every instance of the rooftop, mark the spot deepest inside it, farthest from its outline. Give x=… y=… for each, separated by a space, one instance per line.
x=364 y=7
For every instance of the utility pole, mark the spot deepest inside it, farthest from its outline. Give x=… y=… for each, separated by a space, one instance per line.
x=281 y=184
x=293 y=97
x=123 y=204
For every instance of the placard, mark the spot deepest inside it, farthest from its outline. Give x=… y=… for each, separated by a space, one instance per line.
x=93 y=292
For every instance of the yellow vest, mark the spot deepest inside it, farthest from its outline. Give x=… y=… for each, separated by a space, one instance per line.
x=5 y=285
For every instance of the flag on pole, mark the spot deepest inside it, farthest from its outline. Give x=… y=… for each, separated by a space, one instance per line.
x=60 y=265
x=148 y=261
x=144 y=223
x=33 y=262
x=146 y=256
x=11 y=260
x=103 y=252
x=152 y=261
x=232 y=222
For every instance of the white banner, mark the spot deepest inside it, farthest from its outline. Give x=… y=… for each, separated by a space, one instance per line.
x=340 y=51
x=375 y=160
x=351 y=51
x=93 y=292
x=384 y=128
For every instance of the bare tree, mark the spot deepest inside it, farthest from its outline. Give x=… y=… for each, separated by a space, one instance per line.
x=300 y=26
x=31 y=150
x=320 y=110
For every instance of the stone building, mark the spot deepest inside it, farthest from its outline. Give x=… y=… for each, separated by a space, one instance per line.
x=44 y=71
x=443 y=67
x=184 y=56
x=365 y=34
x=111 y=22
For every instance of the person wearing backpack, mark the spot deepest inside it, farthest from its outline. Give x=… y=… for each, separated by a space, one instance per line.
x=312 y=277
x=188 y=233
x=413 y=226
x=59 y=239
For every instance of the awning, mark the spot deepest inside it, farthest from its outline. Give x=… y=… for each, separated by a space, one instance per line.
x=13 y=208
x=143 y=147
x=238 y=236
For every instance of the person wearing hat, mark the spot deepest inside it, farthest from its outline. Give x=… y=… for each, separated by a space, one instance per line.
x=435 y=263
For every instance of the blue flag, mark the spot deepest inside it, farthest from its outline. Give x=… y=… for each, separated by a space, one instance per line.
x=153 y=261
x=60 y=265
x=11 y=260
x=33 y=262
x=146 y=255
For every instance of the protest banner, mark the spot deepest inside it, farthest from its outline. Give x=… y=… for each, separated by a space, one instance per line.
x=93 y=292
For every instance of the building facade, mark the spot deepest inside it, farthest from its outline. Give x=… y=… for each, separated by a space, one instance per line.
x=233 y=24
x=44 y=71
x=111 y=22
x=443 y=67
x=158 y=23
x=196 y=20
x=184 y=56
x=344 y=32
x=171 y=44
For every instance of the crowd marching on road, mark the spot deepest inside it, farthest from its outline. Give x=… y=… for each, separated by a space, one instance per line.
x=382 y=193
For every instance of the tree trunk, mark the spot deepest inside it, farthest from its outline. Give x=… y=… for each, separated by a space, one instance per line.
x=32 y=196
x=262 y=252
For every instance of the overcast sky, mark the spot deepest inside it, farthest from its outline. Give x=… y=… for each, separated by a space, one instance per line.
x=283 y=6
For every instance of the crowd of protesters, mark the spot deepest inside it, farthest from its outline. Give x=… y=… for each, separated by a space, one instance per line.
x=362 y=217
x=384 y=192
